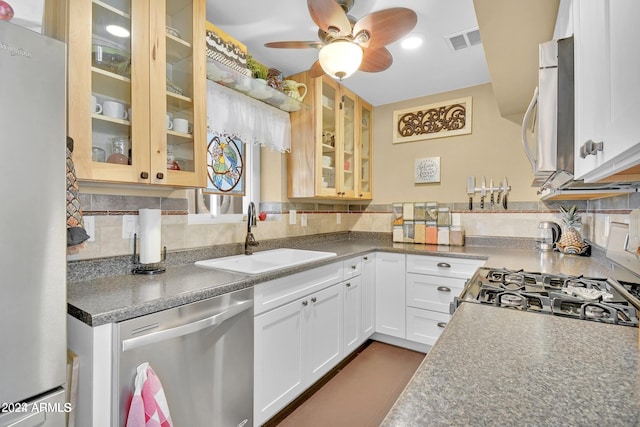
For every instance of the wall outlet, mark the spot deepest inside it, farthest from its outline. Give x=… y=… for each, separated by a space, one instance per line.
x=292 y=216
x=90 y=227
x=303 y=219
x=129 y=226
x=338 y=218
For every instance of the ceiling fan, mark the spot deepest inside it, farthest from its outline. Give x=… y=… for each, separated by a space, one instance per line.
x=347 y=45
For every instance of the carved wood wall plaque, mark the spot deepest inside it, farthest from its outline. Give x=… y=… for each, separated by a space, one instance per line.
x=439 y=120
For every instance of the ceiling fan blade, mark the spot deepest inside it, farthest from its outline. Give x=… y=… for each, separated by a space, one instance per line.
x=328 y=14
x=316 y=70
x=385 y=26
x=375 y=60
x=295 y=45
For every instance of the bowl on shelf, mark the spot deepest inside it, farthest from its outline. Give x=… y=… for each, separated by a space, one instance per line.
x=326 y=161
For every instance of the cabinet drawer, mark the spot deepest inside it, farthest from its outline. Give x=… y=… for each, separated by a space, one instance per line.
x=443 y=266
x=425 y=326
x=274 y=293
x=352 y=267
x=432 y=292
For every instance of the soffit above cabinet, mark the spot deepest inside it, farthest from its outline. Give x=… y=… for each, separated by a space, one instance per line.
x=511 y=32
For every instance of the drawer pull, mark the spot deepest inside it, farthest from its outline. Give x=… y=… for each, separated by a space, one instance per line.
x=442 y=324
x=349 y=285
x=444 y=289
x=305 y=303
x=365 y=258
x=353 y=267
x=314 y=299
x=444 y=265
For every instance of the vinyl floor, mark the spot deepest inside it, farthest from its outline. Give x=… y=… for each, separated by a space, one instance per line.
x=362 y=393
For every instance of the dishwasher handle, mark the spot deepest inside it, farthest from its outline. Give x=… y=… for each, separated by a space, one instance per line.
x=189 y=328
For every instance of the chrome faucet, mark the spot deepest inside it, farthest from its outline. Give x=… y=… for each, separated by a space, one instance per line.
x=251 y=222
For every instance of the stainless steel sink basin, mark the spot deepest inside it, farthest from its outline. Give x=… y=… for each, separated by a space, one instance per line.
x=262 y=262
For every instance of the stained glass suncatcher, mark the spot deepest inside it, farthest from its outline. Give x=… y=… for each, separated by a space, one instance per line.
x=225 y=164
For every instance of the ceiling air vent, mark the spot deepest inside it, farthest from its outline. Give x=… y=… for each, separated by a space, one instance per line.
x=463 y=40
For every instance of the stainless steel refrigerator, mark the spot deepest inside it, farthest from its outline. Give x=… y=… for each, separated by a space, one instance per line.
x=33 y=343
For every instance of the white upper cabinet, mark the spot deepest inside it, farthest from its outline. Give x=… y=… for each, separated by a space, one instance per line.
x=607 y=79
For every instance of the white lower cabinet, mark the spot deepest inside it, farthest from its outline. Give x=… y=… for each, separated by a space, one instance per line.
x=425 y=326
x=368 y=294
x=432 y=285
x=306 y=323
x=390 y=294
x=323 y=329
x=432 y=292
x=295 y=345
x=279 y=350
x=352 y=292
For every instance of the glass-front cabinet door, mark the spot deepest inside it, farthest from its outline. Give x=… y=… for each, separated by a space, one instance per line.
x=102 y=67
x=127 y=62
x=365 y=150
x=347 y=163
x=179 y=119
x=329 y=137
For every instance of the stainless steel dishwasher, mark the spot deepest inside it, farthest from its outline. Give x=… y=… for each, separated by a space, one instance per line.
x=203 y=355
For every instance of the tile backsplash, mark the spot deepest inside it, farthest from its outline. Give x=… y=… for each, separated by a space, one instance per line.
x=520 y=220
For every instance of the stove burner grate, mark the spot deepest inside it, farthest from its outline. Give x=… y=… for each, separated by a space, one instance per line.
x=587 y=298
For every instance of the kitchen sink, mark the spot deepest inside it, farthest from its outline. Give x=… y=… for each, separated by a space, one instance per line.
x=264 y=261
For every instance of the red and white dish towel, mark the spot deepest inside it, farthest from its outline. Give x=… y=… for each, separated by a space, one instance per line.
x=149 y=405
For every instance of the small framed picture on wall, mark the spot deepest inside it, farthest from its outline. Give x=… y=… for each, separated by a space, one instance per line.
x=427 y=170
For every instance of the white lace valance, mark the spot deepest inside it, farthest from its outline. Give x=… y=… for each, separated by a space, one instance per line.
x=254 y=122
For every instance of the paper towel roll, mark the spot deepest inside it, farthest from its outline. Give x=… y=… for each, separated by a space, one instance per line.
x=150 y=232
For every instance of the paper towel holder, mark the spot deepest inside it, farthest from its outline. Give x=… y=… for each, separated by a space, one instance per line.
x=153 y=268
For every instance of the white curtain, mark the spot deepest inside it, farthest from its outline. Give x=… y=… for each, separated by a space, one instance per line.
x=254 y=122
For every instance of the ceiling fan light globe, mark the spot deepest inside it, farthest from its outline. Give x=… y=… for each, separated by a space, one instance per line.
x=340 y=59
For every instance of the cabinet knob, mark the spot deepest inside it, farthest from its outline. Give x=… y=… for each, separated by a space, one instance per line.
x=305 y=303
x=444 y=289
x=365 y=258
x=442 y=324
x=160 y=175
x=348 y=285
x=144 y=175
x=353 y=267
x=444 y=265
x=313 y=299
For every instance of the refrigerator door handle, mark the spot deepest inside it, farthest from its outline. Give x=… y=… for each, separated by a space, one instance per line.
x=525 y=122
x=188 y=328
x=32 y=420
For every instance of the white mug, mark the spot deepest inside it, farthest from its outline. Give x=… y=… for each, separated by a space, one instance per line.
x=129 y=114
x=182 y=125
x=169 y=121
x=114 y=109
x=95 y=107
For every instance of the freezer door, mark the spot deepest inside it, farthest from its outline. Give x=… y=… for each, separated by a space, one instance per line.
x=32 y=218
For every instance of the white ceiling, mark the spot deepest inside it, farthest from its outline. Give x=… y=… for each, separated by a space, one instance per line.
x=432 y=68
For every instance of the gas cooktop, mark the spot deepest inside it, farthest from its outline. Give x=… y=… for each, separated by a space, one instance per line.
x=586 y=298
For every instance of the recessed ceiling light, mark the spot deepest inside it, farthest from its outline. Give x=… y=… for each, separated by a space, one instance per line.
x=118 y=31
x=412 y=41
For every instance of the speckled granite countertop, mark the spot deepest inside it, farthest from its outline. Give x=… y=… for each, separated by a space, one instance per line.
x=116 y=298
x=499 y=367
